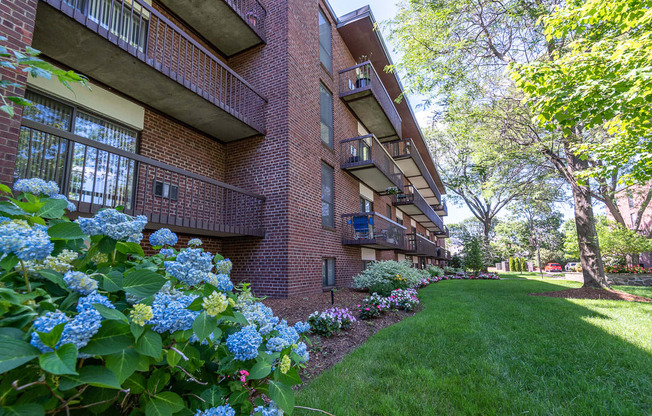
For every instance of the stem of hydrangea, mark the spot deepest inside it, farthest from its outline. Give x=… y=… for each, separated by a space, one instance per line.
x=22 y=266
x=115 y=250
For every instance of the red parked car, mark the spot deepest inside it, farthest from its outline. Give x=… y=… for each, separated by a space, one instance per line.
x=553 y=267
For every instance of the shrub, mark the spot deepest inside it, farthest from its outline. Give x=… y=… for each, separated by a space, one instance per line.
x=384 y=276
x=405 y=299
x=625 y=269
x=512 y=265
x=435 y=271
x=91 y=323
x=330 y=321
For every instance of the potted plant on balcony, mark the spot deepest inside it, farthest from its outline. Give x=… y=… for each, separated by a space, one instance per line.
x=392 y=190
x=362 y=73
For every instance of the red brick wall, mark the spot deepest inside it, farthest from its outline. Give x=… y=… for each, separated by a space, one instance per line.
x=17 y=24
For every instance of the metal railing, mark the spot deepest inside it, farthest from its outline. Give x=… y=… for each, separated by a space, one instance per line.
x=443 y=254
x=441 y=207
x=365 y=150
x=411 y=195
x=419 y=245
x=371 y=228
x=139 y=29
x=443 y=233
x=406 y=148
x=364 y=77
x=252 y=12
x=94 y=175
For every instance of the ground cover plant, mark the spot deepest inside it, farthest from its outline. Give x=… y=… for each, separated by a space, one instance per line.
x=330 y=321
x=480 y=347
x=384 y=276
x=90 y=325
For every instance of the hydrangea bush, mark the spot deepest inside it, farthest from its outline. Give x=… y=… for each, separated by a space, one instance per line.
x=330 y=321
x=384 y=276
x=91 y=325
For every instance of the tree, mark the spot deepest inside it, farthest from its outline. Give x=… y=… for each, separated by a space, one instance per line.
x=458 y=51
x=472 y=255
x=28 y=61
x=512 y=264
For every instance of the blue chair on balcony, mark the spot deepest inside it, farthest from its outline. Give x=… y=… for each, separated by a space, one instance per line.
x=362 y=226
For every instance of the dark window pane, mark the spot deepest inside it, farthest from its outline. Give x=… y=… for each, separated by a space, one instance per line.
x=325 y=54
x=327 y=214
x=328 y=272
x=389 y=211
x=326 y=110
x=48 y=111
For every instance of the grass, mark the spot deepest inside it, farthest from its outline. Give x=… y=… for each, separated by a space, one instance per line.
x=487 y=348
x=636 y=290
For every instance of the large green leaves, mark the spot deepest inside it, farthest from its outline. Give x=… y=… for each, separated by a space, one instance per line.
x=52 y=208
x=282 y=395
x=93 y=375
x=123 y=364
x=66 y=231
x=204 y=325
x=164 y=404
x=113 y=337
x=150 y=344
x=143 y=283
x=15 y=352
x=61 y=361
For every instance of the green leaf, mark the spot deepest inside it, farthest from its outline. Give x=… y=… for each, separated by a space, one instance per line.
x=214 y=396
x=173 y=401
x=108 y=313
x=51 y=338
x=259 y=370
x=15 y=352
x=123 y=364
x=9 y=262
x=150 y=344
x=158 y=380
x=282 y=395
x=54 y=277
x=135 y=383
x=29 y=409
x=112 y=281
x=172 y=358
x=129 y=248
x=61 y=361
x=66 y=231
x=106 y=245
x=136 y=330
x=143 y=283
x=204 y=325
x=291 y=378
x=113 y=337
x=93 y=375
x=52 y=208
x=8 y=208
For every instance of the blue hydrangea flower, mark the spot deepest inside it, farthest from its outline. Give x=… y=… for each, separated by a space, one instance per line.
x=261 y=316
x=225 y=410
x=163 y=237
x=224 y=266
x=166 y=252
x=27 y=243
x=87 y=302
x=194 y=242
x=191 y=266
x=244 y=343
x=302 y=327
x=37 y=186
x=271 y=410
x=287 y=336
x=46 y=323
x=220 y=281
x=170 y=313
x=80 y=282
x=77 y=331
x=302 y=351
x=114 y=224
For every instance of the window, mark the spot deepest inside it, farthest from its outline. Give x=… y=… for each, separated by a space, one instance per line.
x=327 y=214
x=328 y=272
x=630 y=200
x=399 y=220
x=166 y=190
x=325 y=54
x=326 y=110
x=389 y=211
x=84 y=173
x=366 y=205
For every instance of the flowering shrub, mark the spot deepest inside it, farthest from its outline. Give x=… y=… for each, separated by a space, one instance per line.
x=435 y=271
x=405 y=299
x=384 y=276
x=91 y=325
x=626 y=269
x=330 y=321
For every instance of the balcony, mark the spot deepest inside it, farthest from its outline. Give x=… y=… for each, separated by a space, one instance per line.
x=419 y=245
x=407 y=157
x=365 y=158
x=231 y=25
x=413 y=204
x=129 y=46
x=442 y=254
x=372 y=230
x=94 y=175
x=366 y=96
x=441 y=209
x=443 y=233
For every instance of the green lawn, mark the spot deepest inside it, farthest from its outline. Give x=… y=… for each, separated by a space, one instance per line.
x=487 y=348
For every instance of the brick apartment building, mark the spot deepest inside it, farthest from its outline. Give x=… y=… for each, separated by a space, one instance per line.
x=630 y=202
x=269 y=130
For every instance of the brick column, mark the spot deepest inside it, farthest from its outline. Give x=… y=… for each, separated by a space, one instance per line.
x=17 y=19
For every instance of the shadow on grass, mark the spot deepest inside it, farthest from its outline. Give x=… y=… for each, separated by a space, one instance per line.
x=487 y=348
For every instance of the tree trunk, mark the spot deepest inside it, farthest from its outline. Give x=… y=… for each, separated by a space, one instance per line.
x=587 y=236
x=633 y=259
x=539 y=260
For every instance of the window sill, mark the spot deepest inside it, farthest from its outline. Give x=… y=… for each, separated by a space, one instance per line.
x=326 y=227
x=328 y=147
x=328 y=288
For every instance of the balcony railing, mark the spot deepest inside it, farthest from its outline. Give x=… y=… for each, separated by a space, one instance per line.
x=441 y=209
x=444 y=232
x=366 y=158
x=407 y=156
x=361 y=81
x=443 y=254
x=94 y=175
x=252 y=12
x=140 y=30
x=419 y=245
x=371 y=229
x=411 y=196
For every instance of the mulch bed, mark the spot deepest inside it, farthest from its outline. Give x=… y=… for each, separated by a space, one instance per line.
x=326 y=352
x=591 y=293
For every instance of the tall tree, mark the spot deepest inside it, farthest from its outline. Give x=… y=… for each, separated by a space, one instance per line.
x=456 y=49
